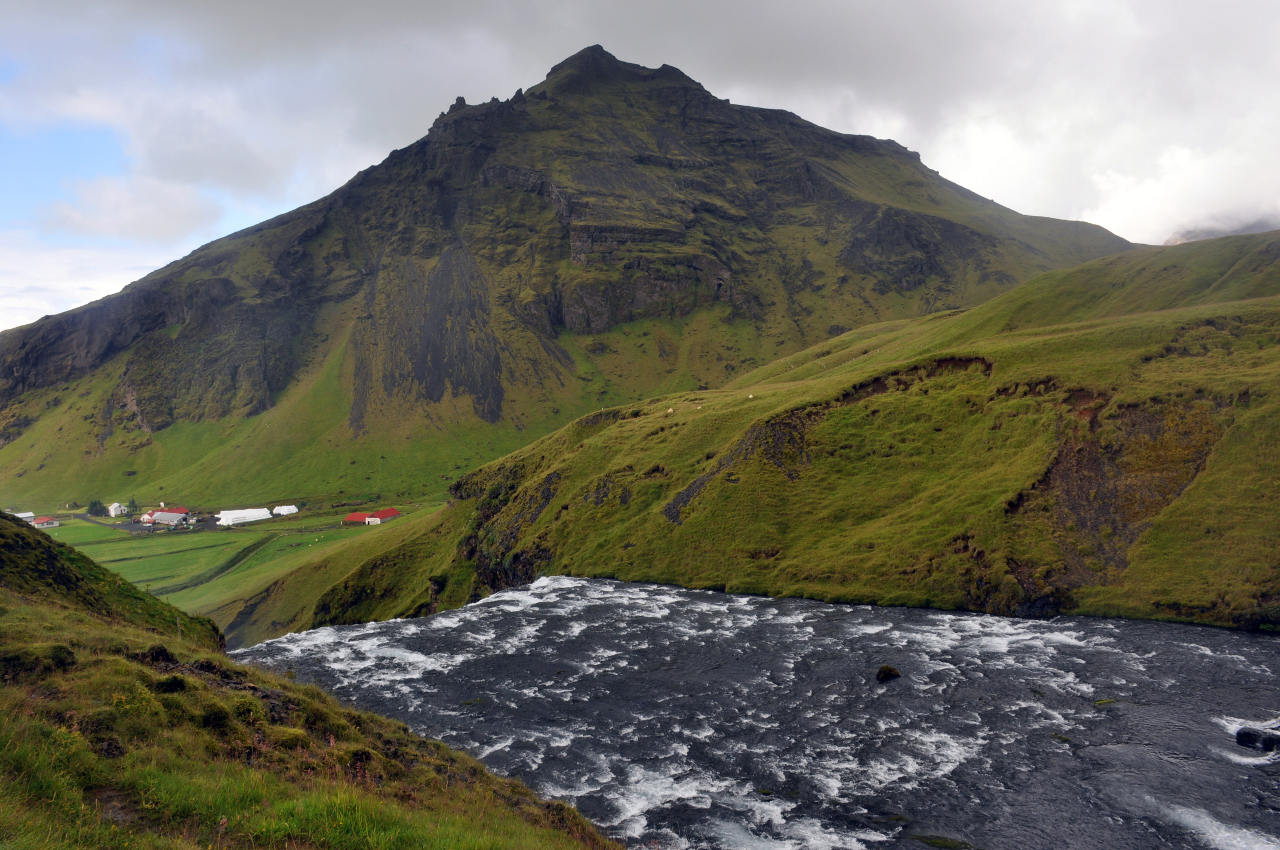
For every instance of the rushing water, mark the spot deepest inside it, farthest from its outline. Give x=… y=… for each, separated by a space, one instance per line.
x=679 y=718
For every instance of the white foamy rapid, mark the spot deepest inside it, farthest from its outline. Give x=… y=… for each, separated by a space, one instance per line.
x=690 y=719
x=1220 y=836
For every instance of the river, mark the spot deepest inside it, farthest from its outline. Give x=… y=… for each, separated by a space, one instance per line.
x=692 y=719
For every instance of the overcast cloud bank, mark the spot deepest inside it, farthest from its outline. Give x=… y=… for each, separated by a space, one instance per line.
x=1149 y=118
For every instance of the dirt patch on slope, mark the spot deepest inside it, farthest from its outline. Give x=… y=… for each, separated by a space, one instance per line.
x=1106 y=485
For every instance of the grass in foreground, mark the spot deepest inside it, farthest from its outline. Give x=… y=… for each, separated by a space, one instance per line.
x=123 y=726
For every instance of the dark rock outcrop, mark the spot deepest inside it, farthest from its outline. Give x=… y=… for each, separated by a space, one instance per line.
x=1263 y=740
x=887 y=673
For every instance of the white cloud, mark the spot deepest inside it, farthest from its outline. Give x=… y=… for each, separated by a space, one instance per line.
x=1185 y=189
x=38 y=278
x=137 y=209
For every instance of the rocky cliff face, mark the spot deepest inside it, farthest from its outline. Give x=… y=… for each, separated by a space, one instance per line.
x=609 y=193
x=214 y=334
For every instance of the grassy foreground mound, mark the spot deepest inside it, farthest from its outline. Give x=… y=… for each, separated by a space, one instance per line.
x=123 y=725
x=1099 y=441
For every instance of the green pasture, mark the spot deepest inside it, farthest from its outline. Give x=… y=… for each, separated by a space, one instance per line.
x=77 y=532
x=214 y=572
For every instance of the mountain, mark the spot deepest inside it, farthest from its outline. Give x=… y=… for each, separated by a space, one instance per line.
x=614 y=232
x=1193 y=234
x=1100 y=440
x=123 y=725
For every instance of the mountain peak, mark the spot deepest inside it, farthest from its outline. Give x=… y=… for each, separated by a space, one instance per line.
x=593 y=59
x=594 y=65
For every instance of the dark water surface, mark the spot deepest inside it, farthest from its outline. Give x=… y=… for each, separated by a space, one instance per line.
x=687 y=719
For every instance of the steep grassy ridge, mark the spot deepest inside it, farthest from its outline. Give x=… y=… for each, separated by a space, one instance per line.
x=123 y=726
x=613 y=232
x=1066 y=447
x=1232 y=268
x=51 y=574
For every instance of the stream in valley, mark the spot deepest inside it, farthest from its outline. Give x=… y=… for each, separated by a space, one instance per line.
x=693 y=719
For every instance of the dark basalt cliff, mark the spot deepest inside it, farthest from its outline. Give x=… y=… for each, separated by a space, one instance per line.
x=606 y=194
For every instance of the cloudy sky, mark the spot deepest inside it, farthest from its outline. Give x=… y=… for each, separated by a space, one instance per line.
x=133 y=131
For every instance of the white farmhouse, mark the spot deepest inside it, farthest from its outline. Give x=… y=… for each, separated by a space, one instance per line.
x=116 y=509
x=240 y=517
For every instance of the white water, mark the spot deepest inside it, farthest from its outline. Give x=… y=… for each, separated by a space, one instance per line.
x=689 y=719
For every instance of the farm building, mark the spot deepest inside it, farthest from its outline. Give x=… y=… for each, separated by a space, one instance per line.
x=239 y=517
x=150 y=516
x=45 y=522
x=375 y=518
x=26 y=516
x=169 y=518
x=116 y=509
x=284 y=510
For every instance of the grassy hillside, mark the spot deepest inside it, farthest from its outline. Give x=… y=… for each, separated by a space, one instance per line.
x=122 y=725
x=301 y=449
x=612 y=233
x=1104 y=440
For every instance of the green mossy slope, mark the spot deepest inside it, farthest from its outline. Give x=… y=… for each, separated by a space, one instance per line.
x=122 y=725
x=1068 y=447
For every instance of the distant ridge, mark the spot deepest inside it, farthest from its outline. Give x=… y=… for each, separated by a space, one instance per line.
x=1195 y=234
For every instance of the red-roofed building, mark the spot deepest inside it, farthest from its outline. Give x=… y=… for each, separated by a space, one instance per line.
x=386 y=514
x=357 y=518
x=45 y=522
x=150 y=516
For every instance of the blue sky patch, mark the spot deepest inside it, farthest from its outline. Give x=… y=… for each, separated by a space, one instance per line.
x=39 y=165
